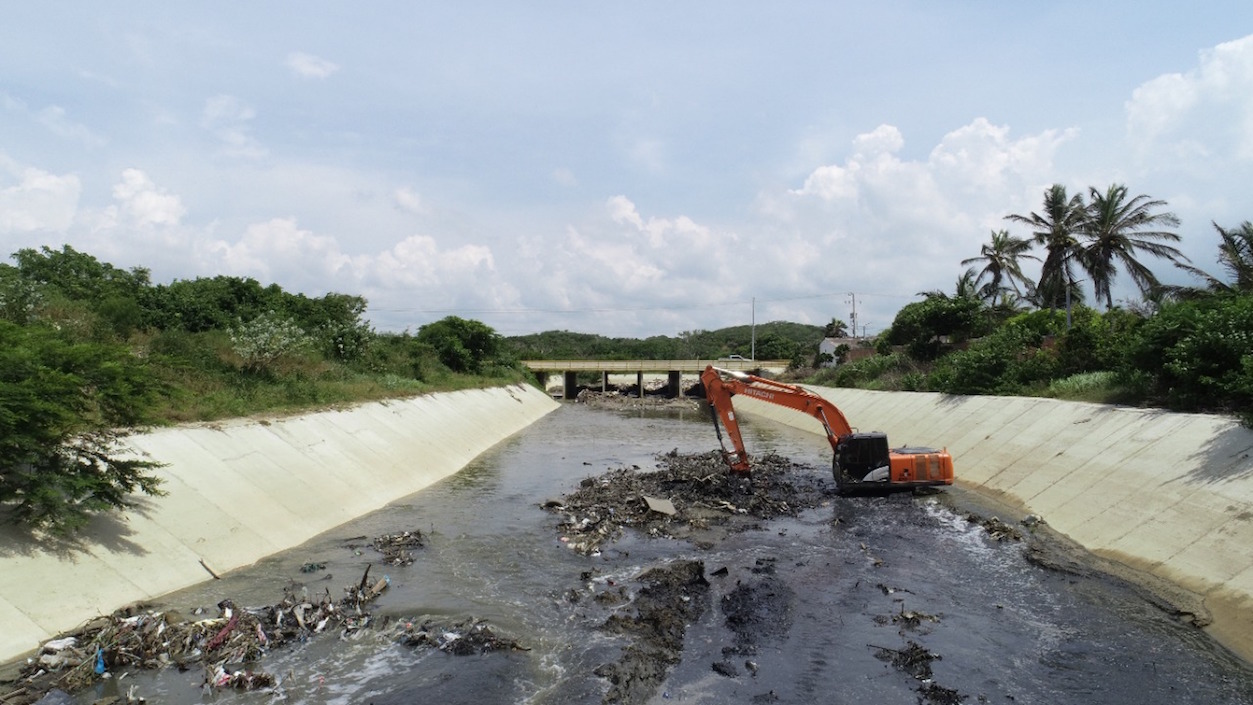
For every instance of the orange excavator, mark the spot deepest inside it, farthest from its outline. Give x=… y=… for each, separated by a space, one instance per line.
x=862 y=460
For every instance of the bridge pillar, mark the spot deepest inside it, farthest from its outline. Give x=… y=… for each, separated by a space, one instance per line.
x=639 y=384
x=604 y=382
x=571 y=381
x=675 y=378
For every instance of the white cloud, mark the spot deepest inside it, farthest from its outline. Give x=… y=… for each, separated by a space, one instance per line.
x=279 y=250
x=627 y=262
x=418 y=263
x=54 y=119
x=36 y=200
x=409 y=200
x=660 y=232
x=310 y=66
x=831 y=182
x=228 y=119
x=981 y=156
x=884 y=140
x=622 y=210
x=1205 y=113
x=881 y=224
x=141 y=203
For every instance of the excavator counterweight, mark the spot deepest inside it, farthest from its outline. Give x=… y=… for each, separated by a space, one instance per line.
x=861 y=460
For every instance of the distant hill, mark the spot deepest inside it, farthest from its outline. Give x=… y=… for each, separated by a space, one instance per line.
x=779 y=340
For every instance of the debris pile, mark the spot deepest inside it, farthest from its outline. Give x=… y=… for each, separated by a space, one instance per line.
x=913 y=659
x=908 y=620
x=397 y=548
x=997 y=529
x=140 y=638
x=464 y=638
x=630 y=399
x=916 y=661
x=687 y=492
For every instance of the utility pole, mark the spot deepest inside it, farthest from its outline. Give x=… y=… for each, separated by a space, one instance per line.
x=753 y=352
x=853 y=297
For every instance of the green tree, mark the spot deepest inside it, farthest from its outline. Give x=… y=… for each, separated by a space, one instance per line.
x=19 y=297
x=773 y=346
x=1115 y=230
x=462 y=345
x=1235 y=255
x=1002 y=256
x=78 y=276
x=1056 y=227
x=209 y=303
x=923 y=325
x=78 y=290
x=61 y=403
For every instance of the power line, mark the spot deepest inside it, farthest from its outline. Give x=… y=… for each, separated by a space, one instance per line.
x=626 y=309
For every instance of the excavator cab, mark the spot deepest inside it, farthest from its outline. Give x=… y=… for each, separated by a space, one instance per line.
x=858 y=455
x=864 y=462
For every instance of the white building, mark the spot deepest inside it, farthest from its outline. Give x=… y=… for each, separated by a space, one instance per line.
x=858 y=348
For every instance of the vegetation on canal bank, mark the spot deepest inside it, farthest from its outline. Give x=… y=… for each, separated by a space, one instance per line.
x=87 y=348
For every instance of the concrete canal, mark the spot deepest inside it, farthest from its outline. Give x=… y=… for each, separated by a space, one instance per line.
x=896 y=599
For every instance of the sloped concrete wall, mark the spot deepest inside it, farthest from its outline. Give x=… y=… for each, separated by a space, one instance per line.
x=1168 y=494
x=241 y=490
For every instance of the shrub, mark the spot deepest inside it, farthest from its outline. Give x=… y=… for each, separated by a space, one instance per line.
x=265 y=339
x=1006 y=362
x=1196 y=354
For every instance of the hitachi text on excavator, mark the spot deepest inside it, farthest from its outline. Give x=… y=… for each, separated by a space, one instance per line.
x=862 y=461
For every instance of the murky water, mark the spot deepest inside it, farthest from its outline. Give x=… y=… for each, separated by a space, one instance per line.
x=836 y=577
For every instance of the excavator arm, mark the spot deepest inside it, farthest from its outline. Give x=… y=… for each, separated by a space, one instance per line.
x=721 y=385
x=860 y=459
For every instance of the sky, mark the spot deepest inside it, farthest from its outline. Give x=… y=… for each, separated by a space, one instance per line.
x=626 y=169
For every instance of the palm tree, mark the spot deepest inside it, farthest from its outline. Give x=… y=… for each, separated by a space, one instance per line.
x=968 y=285
x=1235 y=254
x=1055 y=227
x=1002 y=256
x=835 y=329
x=1115 y=230
x=967 y=288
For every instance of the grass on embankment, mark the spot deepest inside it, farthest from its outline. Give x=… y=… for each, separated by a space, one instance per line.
x=204 y=380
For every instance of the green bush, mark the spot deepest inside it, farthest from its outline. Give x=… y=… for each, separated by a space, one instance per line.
x=1008 y=361
x=865 y=372
x=1196 y=354
x=60 y=403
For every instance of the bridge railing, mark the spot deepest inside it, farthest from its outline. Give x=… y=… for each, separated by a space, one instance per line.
x=650 y=365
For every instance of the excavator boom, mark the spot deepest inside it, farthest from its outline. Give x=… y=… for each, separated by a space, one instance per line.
x=860 y=459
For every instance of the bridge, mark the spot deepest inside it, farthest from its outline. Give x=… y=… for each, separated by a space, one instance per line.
x=674 y=369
